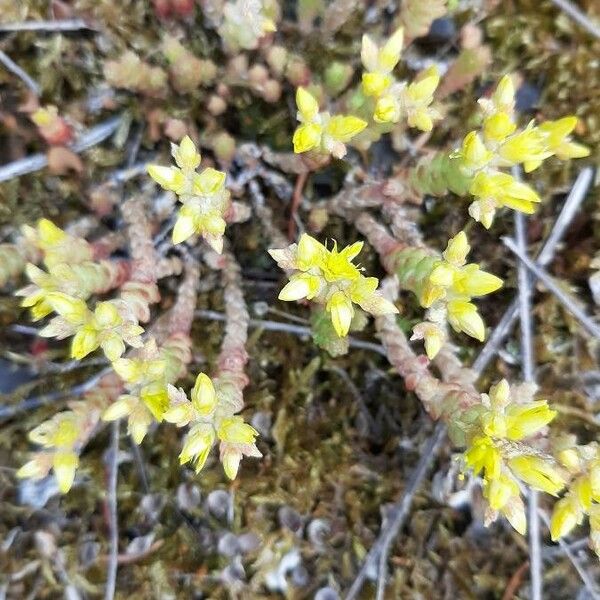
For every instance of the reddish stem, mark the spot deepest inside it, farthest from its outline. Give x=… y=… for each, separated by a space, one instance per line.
x=296 y=199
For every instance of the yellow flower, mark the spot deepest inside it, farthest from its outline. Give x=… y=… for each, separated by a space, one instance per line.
x=463 y=316
x=341 y=310
x=389 y=55
x=203 y=195
x=474 y=152
x=186 y=155
x=526 y=419
x=514 y=511
x=197 y=445
x=387 y=109
x=303 y=285
x=122 y=407
x=432 y=334
x=307 y=137
x=204 y=397
x=308 y=107
x=234 y=430
x=418 y=96
x=482 y=455
x=498 y=126
x=73 y=310
x=503 y=98
x=105 y=327
x=538 y=472
x=64 y=465
x=139 y=370
x=499 y=395
x=321 y=131
x=504 y=190
x=330 y=278
x=500 y=490
x=375 y=84
x=557 y=138
x=231 y=462
x=380 y=62
x=343 y=128
x=565 y=516
x=527 y=146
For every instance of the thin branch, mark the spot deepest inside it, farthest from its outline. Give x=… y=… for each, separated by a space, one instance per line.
x=35 y=162
x=299 y=330
x=583 y=574
x=7 y=412
x=398 y=513
x=570 y=303
x=111 y=500
x=524 y=283
x=564 y=219
x=15 y=69
x=47 y=26
x=545 y=257
x=578 y=16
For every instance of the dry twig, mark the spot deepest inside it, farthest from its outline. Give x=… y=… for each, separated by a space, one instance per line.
x=35 y=162
x=111 y=501
x=46 y=26
x=570 y=303
x=15 y=69
x=535 y=558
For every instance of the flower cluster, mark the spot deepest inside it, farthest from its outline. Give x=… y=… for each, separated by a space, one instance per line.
x=446 y=285
x=56 y=245
x=496 y=450
x=58 y=436
x=210 y=415
x=501 y=144
x=203 y=195
x=110 y=325
x=146 y=377
x=330 y=278
x=396 y=100
x=77 y=280
x=583 y=495
x=321 y=132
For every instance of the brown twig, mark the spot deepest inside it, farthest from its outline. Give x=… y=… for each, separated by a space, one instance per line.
x=128 y=559
x=296 y=201
x=515 y=581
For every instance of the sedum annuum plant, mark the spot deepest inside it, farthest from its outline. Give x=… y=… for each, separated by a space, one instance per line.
x=330 y=278
x=502 y=431
x=210 y=414
x=499 y=451
x=203 y=195
x=322 y=132
x=397 y=100
x=477 y=166
x=445 y=285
